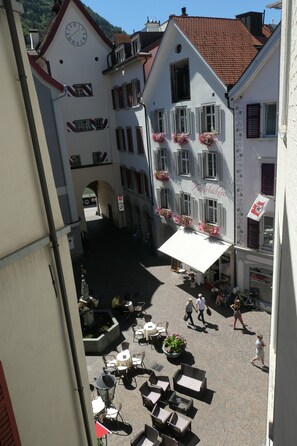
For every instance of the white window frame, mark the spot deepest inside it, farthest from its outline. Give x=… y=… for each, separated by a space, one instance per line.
x=211 y=170
x=211 y=211
x=186 y=204
x=83 y=125
x=80 y=92
x=184 y=162
x=135 y=92
x=265 y=107
x=120 y=54
x=208 y=121
x=161 y=121
x=181 y=120
x=135 y=45
x=266 y=246
x=164 y=198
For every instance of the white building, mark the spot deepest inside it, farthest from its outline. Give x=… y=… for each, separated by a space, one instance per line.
x=44 y=385
x=255 y=103
x=198 y=61
x=282 y=404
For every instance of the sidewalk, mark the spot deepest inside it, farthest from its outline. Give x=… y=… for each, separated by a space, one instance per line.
x=234 y=411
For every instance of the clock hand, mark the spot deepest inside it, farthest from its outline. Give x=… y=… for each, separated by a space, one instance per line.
x=76 y=32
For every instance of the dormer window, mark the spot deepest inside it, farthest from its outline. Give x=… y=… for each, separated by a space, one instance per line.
x=120 y=55
x=135 y=46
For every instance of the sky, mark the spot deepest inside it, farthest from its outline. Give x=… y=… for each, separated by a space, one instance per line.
x=131 y=15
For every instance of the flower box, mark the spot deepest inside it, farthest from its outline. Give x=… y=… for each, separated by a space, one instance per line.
x=174 y=345
x=180 y=138
x=159 y=137
x=162 y=175
x=208 y=228
x=207 y=138
x=166 y=213
x=183 y=220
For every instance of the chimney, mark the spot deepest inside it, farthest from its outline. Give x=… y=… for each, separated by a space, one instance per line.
x=184 y=12
x=253 y=22
x=34 y=38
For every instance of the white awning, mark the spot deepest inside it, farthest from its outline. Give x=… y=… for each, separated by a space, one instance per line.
x=194 y=249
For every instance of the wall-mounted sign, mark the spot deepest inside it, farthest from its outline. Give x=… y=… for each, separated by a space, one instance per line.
x=209 y=189
x=121 y=203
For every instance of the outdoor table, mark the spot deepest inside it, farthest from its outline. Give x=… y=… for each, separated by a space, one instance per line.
x=180 y=403
x=149 y=329
x=124 y=359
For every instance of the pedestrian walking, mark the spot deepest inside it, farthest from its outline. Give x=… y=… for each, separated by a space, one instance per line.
x=237 y=313
x=200 y=306
x=259 y=350
x=188 y=310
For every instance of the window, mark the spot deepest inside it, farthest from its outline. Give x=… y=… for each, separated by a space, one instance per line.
x=120 y=55
x=267 y=232
x=186 y=204
x=135 y=92
x=181 y=120
x=121 y=141
x=208 y=118
x=267 y=178
x=211 y=211
x=180 y=81
x=159 y=121
x=99 y=157
x=138 y=182
x=183 y=162
x=83 y=125
x=135 y=46
x=99 y=123
x=210 y=165
x=164 y=198
x=129 y=139
x=140 y=146
x=123 y=171
x=121 y=97
x=82 y=90
x=144 y=183
x=75 y=161
x=8 y=427
x=161 y=159
x=261 y=120
x=269 y=120
x=253 y=234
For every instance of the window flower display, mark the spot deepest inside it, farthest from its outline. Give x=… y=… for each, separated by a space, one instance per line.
x=166 y=213
x=180 y=138
x=207 y=138
x=208 y=228
x=183 y=220
x=159 y=137
x=162 y=175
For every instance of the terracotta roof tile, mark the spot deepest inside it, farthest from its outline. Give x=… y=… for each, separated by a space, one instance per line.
x=226 y=44
x=121 y=38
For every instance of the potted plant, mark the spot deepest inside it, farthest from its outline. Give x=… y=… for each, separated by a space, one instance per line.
x=180 y=138
x=208 y=228
x=159 y=136
x=163 y=212
x=207 y=138
x=182 y=220
x=174 y=345
x=162 y=175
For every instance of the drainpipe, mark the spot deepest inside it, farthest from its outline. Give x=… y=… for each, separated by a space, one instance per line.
x=149 y=155
x=48 y=210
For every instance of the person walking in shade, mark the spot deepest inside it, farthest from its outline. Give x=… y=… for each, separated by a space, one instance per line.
x=259 y=350
x=237 y=313
x=200 y=306
x=189 y=309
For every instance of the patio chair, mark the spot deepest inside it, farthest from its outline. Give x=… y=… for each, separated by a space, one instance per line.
x=113 y=413
x=110 y=363
x=169 y=441
x=137 y=332
x=178 y=425
x=147 y=317
x=190 y=381
x=148 y=436
x=150 y=395
x=161 y=381
x=160 y=417
x=154 y=338
x=137 y=360
x=162 y=327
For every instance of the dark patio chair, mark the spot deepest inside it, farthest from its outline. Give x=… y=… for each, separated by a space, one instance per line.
x=178 y=425
x=169 y=441
x=161 y=381
x=148 y=436
x=150 y=395
x=139 y=309
x=160 y=417
x=125 y=345
x=137 y=332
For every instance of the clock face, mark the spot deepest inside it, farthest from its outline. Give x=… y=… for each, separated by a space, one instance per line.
x=76 y=33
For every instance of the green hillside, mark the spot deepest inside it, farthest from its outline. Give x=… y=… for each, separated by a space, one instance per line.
x=38 y=14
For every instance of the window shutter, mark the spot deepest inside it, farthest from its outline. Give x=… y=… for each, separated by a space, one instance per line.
x=194 y=208
x=168 y=161
x=253 y=233
x=177 y=162
x=204 y=161
x=121 y=97
x=178 y=206
x=198 y=113
x=138 y=94
x=191 y=164
x=220 y=215
x=201 y=205
x=253 y=120
x=267 y=178
x=173 y=121
x=156 y=159
x=189 y=121
x=124 y=140
x=8 y=428
x=129 y=95
x=165 y=121
x=218 y=119
x=153 y=121
x=118 y=139
x=200 y=165
x=113 y=99
x=220 y=164
x=140 y=145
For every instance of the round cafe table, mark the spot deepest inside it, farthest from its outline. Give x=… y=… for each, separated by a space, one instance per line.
x=149 y=329
x=124 y=359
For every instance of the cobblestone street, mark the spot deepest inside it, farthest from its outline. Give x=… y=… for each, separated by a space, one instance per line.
x=234 y=408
